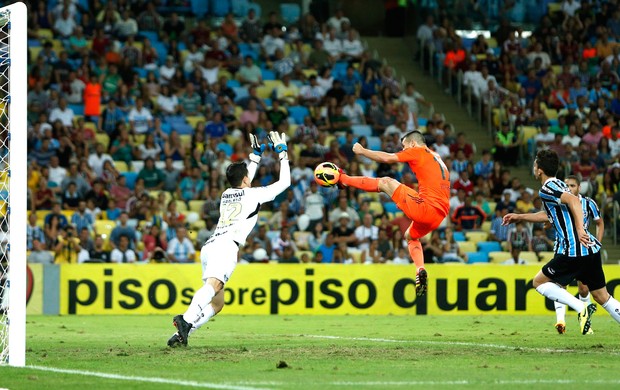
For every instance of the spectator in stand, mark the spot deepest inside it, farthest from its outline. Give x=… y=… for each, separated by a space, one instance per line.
x=180 y=248
x=519 y=238
x=484 y=167
x=499 y=232
x=413 y=99
x=123 y=229
x=66 y=246
x=464 y=183
x=366 y=233
x=585 y=166
x=319 y=57
x=506 y=146
x=468 y=217
x=123 y=253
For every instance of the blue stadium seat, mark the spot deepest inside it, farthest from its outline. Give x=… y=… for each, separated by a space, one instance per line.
x=422 y=121
x=390 y=207
x=150 y=35
x=339 y=69
x=267 y=102
x=362 y=130
x=232 y=83
x=34 y=43
x=240 y=92
x=257 y=9
x=374 y=143
x=219 y=7
x=78 y=109
x=489 y=246
x=362 y=103
x=477 y=257
x=239 y=7
x=113 y=214
x=248 y=52
x=162 y=51
x=200 y=7
x=459 y=236
x=290 y=12
x=141 y=72
x=298 y=113
x=130 y=179
x=267 y=74
x=226 y=148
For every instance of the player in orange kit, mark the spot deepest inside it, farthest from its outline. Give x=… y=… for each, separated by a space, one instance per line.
x=426 y=207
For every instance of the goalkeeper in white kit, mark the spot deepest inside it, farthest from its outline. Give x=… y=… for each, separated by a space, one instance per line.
x=239 y=208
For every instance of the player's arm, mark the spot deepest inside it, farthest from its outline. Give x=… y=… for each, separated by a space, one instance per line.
x=375 y=155
x=269 y=193
x=574 y=205
x=537 y=217
x=596 y=215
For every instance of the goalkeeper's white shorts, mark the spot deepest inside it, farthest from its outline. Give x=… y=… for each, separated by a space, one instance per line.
x=219 y=259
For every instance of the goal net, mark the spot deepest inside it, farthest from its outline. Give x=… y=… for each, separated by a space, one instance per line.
x=13 y=193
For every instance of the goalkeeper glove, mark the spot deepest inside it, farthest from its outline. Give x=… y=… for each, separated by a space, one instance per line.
x=257 y=149
x=279 y=144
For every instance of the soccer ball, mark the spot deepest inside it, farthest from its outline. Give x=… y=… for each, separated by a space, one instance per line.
x=326 y=174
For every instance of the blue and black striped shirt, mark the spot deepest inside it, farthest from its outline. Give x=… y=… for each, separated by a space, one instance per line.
x=566 y=237
x=590 y=210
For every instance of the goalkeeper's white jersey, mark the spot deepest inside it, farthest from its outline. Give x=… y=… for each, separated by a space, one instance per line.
x=239 y=208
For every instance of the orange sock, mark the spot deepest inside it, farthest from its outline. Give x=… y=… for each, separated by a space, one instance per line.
x=416 y=252
x=369 y=184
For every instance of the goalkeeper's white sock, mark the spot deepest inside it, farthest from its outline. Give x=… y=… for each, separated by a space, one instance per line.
x=560 y=312
x=613 y=307
x=207 y=314
x=585 y=299
x=558 y=294
x=202 y=298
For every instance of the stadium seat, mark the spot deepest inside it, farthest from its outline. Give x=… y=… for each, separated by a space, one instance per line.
x=264 y=91
x=467 y=246
x=196 y=205
x=193 y=120
x=476 y=257
x=486 y=226
x=422 y=121
x=264 y=217
x=45 y=34
x=121 y=166
x=362 y=130
x=104 y=227
x=181 y=206
x=78 y=109
x=376 y=208
x=310 y=254
x=200 y=8
x=232 y=83
x=103 y=139
x=530 y=257
x=390 y=207
x=460 y=237
x=489 y=246
x=298 y=113
x=199 y=224
x=290 y=12
x=152 y=36
x=546 y=256
x=113 y=214
x=374 y=143
x=240 y=92
x=476 y=236
x=499 y=256
x=239 y=8
x=226 y=148
x=301 y=239
x=218 y=7
x=267 y=74
x=130 y=179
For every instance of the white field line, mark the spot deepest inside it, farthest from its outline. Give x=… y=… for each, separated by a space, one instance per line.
x=143 y=379
x=461 y=343
x=490 y=382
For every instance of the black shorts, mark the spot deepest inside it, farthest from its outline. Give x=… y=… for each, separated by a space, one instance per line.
x=587 y=269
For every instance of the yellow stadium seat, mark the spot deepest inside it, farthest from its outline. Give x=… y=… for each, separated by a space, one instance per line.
x=498 y=257
x=557 y=69
x=291 y=129
x=467 y=246
x=492 y=42
x=545 y=256
x=264 y=217
x=192 y=235
x=301 y=239
x=186 y=141
x=34 y=51
x=224 y=73
x=121 y=166
x=155 y=195
x=196 y=205
x=181 y=206
x=530 y=257
x=193 y=120
x=184 y=54
x=41 y=214
x=90 y=125
x=264 y=91
x=476 y=237
x=272 y=83
x=139 y=139
x=554 y=7
x=329 y=139
x=527 y=133
x=104 y=228
x=310 y=72
x=551 y=113
x=492 y=206
x=238 y=111
x=356 y=256
x=376 y=208
x=486 y=226
x=199 y=224
x=68 y=214
x=45 y=33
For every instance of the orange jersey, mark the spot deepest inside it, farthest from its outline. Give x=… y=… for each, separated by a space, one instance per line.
x=432 y=174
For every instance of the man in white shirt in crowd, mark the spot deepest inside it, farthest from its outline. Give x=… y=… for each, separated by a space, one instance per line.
x=122 y=253
x=167 y=70
x=271 y=42
x=354 y=111
x=180 y=248
x=425 y=31
x=413 y=99
x=344 y=208
x=62 y=113
x=126 y=26
x=333 y=45
x=56 y=173
x=315 y=206
x=140 y=118
x=337 y=20
x=366 y=232
x=98 y=158
x=76 y=89
x=65 y=25
x=352 y=48
x=544 y=138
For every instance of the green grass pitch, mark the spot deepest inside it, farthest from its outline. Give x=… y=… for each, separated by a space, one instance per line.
x=318 y=352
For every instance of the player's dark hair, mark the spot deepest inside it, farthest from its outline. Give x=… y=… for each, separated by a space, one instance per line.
x=574 y=177
x=548 y=161
x=236 y=172
x=416 y=136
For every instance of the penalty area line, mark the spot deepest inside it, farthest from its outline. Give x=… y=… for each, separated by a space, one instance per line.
x=144 y=379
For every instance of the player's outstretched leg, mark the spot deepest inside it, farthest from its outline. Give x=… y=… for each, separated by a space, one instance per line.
x=585 y=317
x=368 y=184
x=417 y=255
x=183 y=328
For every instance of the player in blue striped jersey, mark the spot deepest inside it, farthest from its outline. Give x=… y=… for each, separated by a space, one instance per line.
x=577 y=252
x=590 y=212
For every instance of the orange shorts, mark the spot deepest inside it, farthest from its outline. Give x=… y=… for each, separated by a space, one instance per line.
x=425 y=216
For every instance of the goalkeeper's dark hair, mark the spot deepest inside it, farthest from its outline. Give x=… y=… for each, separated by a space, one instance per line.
x=236 y=172
x=414 y=135
x=548 y=161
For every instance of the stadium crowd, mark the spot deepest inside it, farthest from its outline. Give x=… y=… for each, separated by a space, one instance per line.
x=136 y=109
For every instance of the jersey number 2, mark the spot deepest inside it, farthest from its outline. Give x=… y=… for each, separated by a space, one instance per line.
x=231 y=212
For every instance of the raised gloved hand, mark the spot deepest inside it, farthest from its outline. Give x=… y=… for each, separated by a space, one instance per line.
x=279 y=144
x=257 y=149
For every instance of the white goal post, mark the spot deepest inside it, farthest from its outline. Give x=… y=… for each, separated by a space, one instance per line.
x=13 y=190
